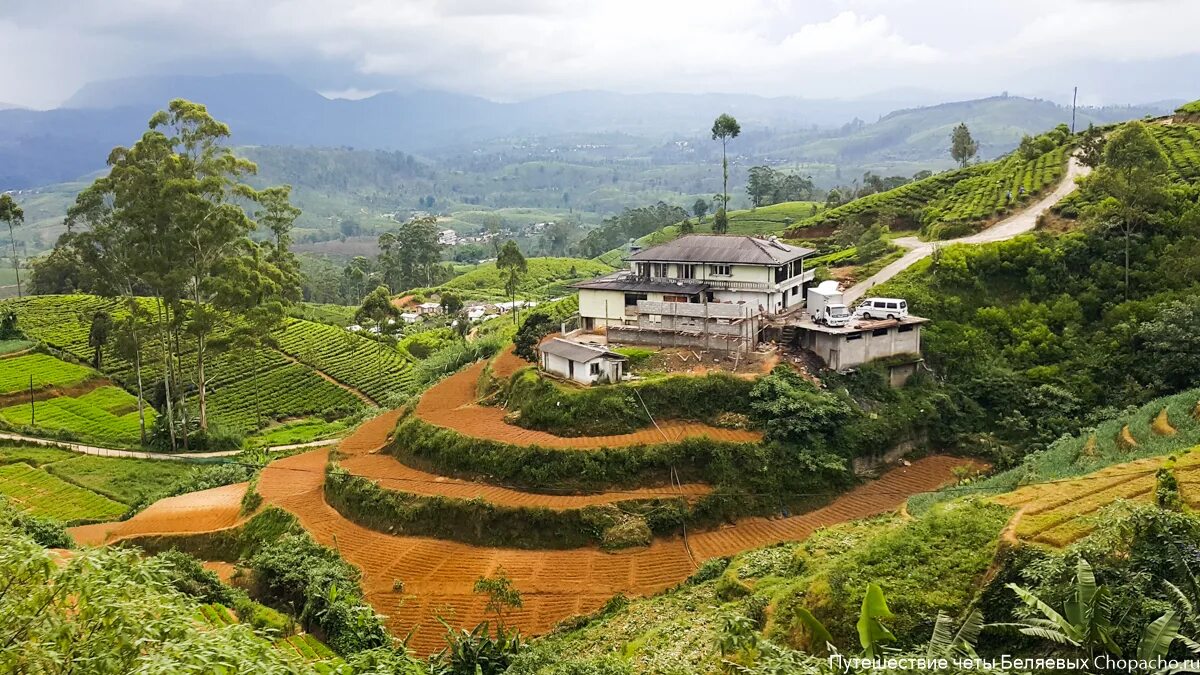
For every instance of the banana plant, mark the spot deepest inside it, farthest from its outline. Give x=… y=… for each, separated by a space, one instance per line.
x=871 y=631
x=950 y=641
x=1086 y=621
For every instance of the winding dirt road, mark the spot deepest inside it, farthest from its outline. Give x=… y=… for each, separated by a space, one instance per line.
x=1019 y=223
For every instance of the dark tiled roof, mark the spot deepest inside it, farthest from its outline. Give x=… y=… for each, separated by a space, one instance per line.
x=625 y=281
x=716 y=248
x=576 y=351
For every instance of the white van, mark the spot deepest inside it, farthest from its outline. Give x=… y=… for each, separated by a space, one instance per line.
x=882 y=308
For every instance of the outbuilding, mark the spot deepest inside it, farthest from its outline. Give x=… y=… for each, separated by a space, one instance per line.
x=586 y=364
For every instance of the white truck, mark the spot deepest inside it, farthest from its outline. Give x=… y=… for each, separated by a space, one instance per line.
x=825 y=305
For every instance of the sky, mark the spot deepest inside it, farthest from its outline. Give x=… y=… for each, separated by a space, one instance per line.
x=1119 y=51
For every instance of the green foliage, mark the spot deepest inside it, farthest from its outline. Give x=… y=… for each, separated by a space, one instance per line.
x=47 y=496
x=374 y=368
x=1087 y=619
x=752 y=468
x=543 y=278
x=106 y=416
x=793 y=410
x=475 y=521
x=871 y=631
x=540 y=322
x=622 y=408
x=42 y=370
x=962 y=147
x=295 y=573
x=477 y=651
x=111 y=611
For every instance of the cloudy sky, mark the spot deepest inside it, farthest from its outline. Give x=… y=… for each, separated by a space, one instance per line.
x=1127 y=50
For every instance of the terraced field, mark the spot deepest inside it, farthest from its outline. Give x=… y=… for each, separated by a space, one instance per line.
x=43 y=494
x=286 y=387
x=1181 y=144
x=1061 y=512
x=106 y=416
x=19 y=373
x=376 y=369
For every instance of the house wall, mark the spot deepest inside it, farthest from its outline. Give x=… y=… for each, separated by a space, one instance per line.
x=605 y=308
x=557 y=365
x=841 y=354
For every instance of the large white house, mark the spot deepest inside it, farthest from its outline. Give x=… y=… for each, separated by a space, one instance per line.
x=699 y=290
x=766 y=276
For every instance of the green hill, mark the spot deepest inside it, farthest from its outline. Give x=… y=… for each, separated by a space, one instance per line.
x=546 y=278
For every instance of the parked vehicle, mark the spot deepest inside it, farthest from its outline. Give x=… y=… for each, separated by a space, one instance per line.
x=882 y=308
x=834 y=315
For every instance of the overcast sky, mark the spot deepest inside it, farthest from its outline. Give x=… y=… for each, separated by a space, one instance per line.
x=512 y=49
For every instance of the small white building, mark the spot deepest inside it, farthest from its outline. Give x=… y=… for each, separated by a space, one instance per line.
x=447 y=238
x=844 y=348
x=426 y=308
x=586 y=364
x=410 y=317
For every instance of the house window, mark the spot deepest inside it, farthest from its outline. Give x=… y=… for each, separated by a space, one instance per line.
x=795 y=290
x=595 y=369
x=721 y=270
x=905 y=329
x=631 y=299
x=879 y=332
x=853 y=336
x=687 y=271
x=674 y=298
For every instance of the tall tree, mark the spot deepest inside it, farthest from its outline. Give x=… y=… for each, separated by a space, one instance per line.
x=410 y=256
x=13 y=215
x=168 y=221
x=962 y=147
x=699 y=208
x=724 y=128
x=761 y=184
x=98 y=337
x=512 y=266
x=1133 y=180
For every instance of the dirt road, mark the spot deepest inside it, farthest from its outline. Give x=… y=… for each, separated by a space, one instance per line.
x=1019 y=223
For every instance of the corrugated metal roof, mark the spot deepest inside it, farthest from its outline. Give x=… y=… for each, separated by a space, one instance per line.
x=717 y=248
x=576 y=351
x=626 y=281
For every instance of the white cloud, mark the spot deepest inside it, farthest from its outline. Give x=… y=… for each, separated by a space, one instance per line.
x=517 y=48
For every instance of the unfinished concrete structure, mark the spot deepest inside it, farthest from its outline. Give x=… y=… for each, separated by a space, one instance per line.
x=844 y=348
x=705 y=325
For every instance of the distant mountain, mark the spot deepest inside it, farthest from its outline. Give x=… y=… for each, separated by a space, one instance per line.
x=44 y=147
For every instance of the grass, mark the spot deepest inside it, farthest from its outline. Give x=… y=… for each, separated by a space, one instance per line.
x=123 y=480
x=10 y=346
x=43 y=494
x=42 y=370
x=297 y=431
x=119 y=479
x=33 y=455
x=106 y=416
x=546 y=278
x=1093 y=449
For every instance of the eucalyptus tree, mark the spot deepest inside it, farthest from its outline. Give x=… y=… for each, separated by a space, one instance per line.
x=167 y=220
x=512 y=266
x=13 y=215
x=724 y=128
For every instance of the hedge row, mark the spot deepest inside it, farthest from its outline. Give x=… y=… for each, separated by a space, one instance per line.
x=622 y=408
x=766 y=470
x=627 y=523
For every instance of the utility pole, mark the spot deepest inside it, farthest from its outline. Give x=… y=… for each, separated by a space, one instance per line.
x=1074 y=97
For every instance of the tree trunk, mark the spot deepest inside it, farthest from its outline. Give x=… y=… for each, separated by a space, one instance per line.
x=16 y=260
x=166 y=346
x=200 y=346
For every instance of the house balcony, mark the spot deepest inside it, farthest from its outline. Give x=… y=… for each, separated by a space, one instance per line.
x=720 y=284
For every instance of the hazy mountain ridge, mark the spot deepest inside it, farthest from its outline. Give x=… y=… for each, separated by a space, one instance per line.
x=45 y=147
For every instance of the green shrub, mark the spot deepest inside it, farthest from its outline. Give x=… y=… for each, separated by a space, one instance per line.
x=476 y=521
x=622 y=408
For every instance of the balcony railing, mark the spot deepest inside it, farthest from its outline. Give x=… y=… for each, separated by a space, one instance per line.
x=732 y=285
